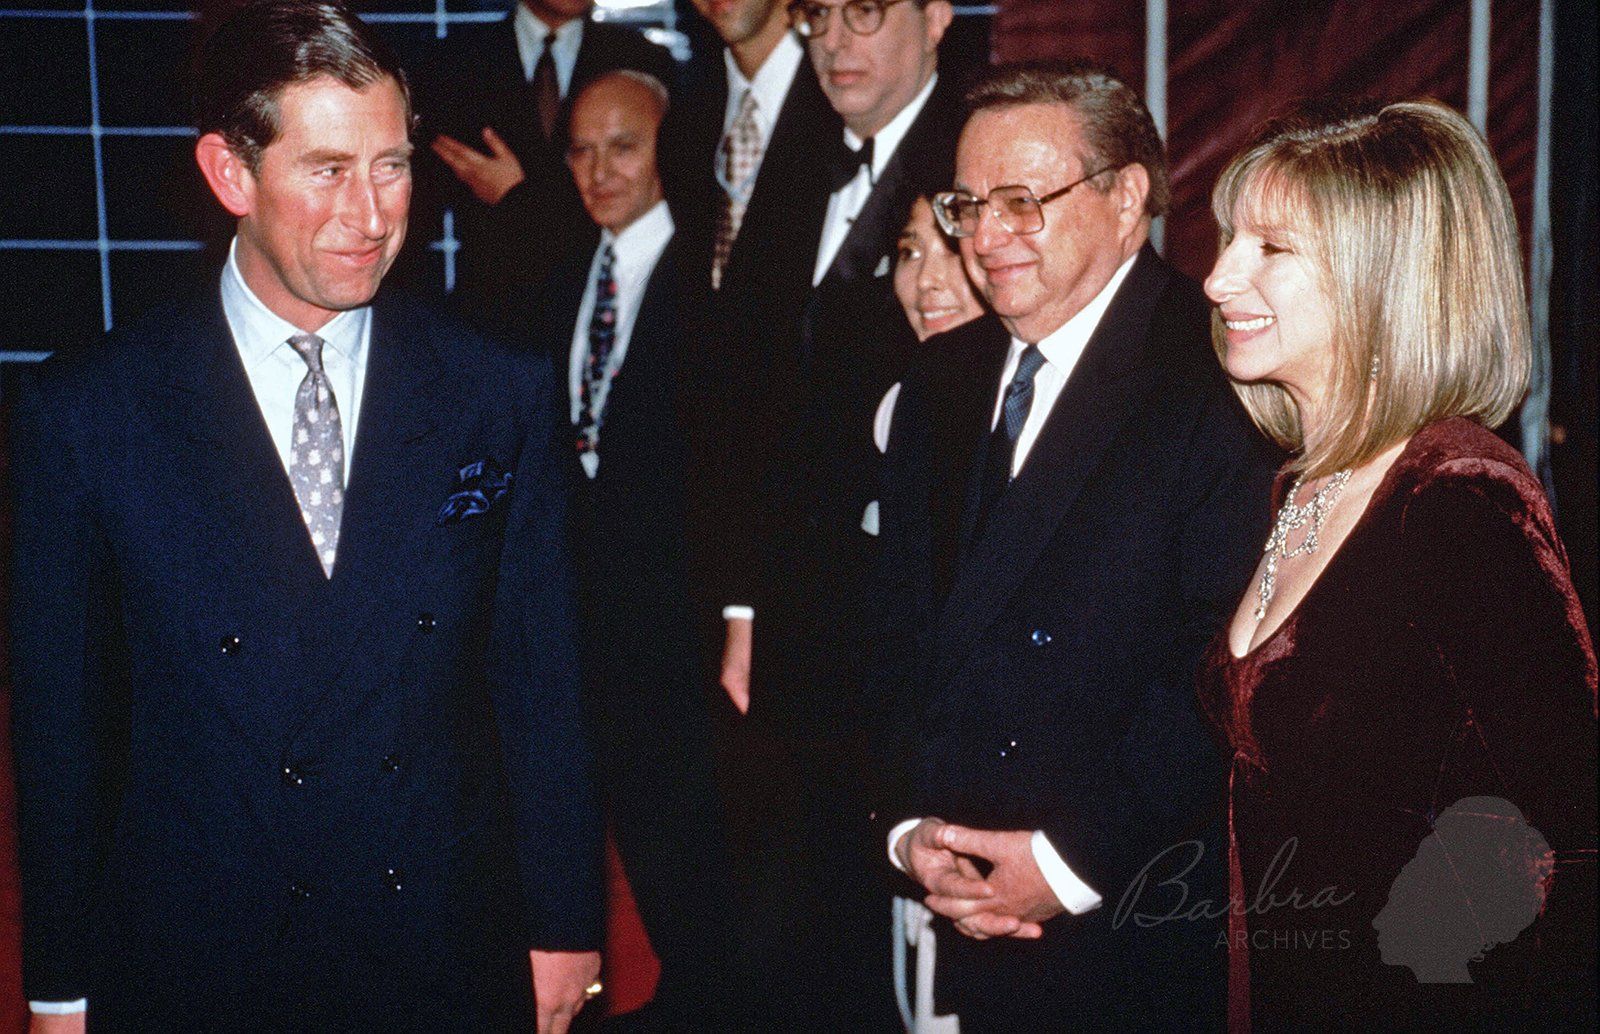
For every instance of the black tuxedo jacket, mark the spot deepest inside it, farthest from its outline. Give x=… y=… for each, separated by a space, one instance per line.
x=642 y=671
x=739 y=352
x=251 y=794
x=1051 y=684
x=806 y=464
x=476 y=82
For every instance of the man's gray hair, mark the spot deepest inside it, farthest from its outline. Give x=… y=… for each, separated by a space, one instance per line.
x=1117 y=127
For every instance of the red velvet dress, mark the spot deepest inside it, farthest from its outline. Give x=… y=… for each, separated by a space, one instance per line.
x=1439 y=668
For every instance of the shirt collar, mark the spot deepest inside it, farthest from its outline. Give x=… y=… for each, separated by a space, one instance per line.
x=888 y=138
x=772 y=79
x=258 y=332
x=531 y=31
x=641 y=240
x=1063 y=346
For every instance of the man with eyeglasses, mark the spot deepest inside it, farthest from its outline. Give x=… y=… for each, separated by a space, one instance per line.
x=1054 y=747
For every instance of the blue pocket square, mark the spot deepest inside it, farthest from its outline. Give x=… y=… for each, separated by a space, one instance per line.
x=479 y=485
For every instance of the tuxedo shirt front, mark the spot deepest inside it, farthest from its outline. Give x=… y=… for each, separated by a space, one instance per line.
x=847 y=202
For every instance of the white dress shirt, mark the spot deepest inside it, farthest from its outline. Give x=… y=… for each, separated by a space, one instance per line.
x=638 y=247
x=1062 y=348
x=275 y=371
x=770 y=85
x=847 y=202
x=531 y=31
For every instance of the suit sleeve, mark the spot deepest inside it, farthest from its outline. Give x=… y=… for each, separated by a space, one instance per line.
x=67 y=662
x=548 y=762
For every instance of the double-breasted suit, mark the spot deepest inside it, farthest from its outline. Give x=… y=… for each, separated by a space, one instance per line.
x=250 y=795
x=1047 y=682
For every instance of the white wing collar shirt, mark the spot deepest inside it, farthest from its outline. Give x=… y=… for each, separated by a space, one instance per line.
x=530 y=32
x=1062 y=348
x=847 y=202
x=637 y=248
x=275 y=369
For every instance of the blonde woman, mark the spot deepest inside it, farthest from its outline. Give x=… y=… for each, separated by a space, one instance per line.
x=1411 y=638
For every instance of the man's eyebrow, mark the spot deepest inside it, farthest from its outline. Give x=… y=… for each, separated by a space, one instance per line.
x=325 y=156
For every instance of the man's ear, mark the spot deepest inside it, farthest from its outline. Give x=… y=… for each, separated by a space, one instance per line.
x=939 y=15
x=226 y=174
x=1133 y=186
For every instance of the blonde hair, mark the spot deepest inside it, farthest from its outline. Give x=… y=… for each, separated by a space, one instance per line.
x=1405 y=217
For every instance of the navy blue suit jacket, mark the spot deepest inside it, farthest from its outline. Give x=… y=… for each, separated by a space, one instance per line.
x=1047 y=681
x=249 y=791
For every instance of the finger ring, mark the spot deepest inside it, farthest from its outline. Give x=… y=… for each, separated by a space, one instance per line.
x=593 y=990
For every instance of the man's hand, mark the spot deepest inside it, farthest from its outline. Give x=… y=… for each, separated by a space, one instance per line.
x=57 y=1023
x=559 y=981
x=949 y=876
x=489 y=177
x=736 y=662
x=1020 y=900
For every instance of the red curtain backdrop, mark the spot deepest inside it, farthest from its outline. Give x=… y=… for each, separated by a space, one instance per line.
x=1231 y=64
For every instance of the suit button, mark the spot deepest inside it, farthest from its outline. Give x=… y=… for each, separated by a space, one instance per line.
x=390 y=763
x=425 y=622
x=394 y=879
x=293 y=776
x=1040 y=637
x=231 y=644
x=299 y=891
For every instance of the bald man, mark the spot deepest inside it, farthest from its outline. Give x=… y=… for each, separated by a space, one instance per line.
x=611 y=315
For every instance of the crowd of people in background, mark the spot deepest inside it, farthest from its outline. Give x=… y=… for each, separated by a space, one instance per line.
x=817 y=522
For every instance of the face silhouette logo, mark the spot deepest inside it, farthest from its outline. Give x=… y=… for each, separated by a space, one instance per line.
x=1478 y=880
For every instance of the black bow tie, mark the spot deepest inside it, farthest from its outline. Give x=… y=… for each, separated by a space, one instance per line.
x=847 y=163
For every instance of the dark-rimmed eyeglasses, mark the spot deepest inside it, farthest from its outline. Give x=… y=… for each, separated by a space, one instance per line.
x=862 y=17
x=960 y=211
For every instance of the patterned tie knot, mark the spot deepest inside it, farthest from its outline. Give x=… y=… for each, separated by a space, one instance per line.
x=1019 y=393
x=309 y=347
x=1027 y=366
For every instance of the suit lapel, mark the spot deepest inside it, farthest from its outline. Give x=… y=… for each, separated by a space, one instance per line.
x=1098 y=399
x=388 y=511
x=205 y=400
x=922 y=161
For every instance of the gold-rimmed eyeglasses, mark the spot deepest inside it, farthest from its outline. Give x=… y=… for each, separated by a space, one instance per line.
x=862 y=17
x=960 y=211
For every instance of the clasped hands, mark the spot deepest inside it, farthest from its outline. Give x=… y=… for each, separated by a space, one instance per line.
x=1013 y=900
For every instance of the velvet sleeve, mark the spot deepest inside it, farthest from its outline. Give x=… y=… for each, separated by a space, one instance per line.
x=1497 y=605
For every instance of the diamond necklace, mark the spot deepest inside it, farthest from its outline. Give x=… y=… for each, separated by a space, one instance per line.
x=1291 y=517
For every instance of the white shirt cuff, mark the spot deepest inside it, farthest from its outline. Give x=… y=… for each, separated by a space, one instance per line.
x=738 y=610
x=1075 y=895
x=900 y=829
x=59 y=1008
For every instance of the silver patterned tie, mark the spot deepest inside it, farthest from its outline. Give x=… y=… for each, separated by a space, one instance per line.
x=316 y=455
